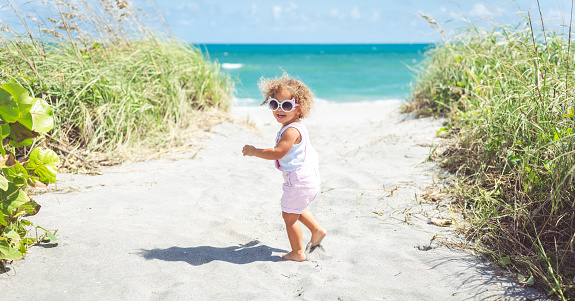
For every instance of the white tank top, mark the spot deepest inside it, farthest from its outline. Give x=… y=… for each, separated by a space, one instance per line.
x=299 y=154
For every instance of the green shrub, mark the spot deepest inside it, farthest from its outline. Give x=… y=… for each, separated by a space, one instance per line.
x=508 y=97
x=22 y=119
x=114 y=83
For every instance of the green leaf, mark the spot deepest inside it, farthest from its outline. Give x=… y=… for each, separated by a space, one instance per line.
x=3 y=183
x=2 y=220
x=13 y=198
x=26 y=142
x=43 y=163
x=19 y=132
x=7 y=161
x=30 y=208
x=7 y=252
x=51 y=236
x=8 y=107
x=41 y=116
x=17 y=174
x=505 y=261
x=524 y=280
x=4 y=130
x=20 y=97
x=29 y=241
x=9 y=233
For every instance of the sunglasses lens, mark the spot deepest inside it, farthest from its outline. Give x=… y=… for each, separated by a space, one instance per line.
x=274 y=105
x=287 y=106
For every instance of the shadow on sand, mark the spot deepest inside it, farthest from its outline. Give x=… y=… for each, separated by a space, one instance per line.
x=242 y=254
x=476 y=275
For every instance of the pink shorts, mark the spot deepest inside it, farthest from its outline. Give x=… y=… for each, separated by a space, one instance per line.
x=300 y=188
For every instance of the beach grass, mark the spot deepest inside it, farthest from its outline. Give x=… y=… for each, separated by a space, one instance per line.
x=119 y=87
x=508 y=96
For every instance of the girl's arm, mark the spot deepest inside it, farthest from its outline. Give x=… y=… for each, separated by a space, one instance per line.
x=288 y=139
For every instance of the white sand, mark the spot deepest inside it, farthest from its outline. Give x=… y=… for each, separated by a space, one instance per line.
x=209 y=227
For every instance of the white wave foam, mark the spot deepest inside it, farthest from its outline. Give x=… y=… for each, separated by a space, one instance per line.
x=253 y=102
x=246 y=102
x=232 y=65
x=321 y=101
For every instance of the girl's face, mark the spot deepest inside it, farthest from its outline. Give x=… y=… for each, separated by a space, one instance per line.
x=281 y=116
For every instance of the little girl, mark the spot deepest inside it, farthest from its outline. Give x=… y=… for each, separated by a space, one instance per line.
x=290 y=100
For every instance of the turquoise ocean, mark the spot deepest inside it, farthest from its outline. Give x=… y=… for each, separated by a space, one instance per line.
x=334 y=72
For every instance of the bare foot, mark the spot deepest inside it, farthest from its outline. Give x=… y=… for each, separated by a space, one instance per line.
x=317 y=237
x=293 y=256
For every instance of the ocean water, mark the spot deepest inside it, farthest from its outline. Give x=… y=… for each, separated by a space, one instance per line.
x=335 y=73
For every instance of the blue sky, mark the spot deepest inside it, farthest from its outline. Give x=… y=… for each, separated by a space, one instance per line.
x=337 y=21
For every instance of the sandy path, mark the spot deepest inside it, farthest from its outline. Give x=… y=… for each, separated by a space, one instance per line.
x=208 y=226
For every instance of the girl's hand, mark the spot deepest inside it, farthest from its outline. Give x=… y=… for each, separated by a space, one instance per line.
x=248 y=150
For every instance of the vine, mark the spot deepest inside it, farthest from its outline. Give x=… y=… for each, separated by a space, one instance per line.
x=22 y=119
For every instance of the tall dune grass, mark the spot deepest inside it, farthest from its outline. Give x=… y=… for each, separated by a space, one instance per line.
x=508 y=96
x=113 y=81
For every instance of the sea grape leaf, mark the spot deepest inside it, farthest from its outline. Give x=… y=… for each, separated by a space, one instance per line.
x=30 y=208
x=7 y=252
x=40 y=118
x=26 y=142
x=8 y=107
x=7 y=161
x=42 y=115
x=20 y=97
x=19 y=132
x=43 y=163
x=4 y=130
x=13 y=198
x=51 y=236
x=9 y=233
x=17 y=174
x=29 y=241
x=3 y=183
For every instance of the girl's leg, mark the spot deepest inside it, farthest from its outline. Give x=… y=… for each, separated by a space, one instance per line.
x=295 y=237
x=317 y=232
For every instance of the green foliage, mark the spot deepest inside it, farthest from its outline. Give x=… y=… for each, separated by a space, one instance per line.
x=113 y=82
x=21 y=117
x=508 y=97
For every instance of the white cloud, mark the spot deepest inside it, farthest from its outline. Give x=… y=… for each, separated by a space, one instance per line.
x=254 y=9
x=554 y=14
x=334 y=12
x=355 y=13
x=185 y=22
x=277 y=11
x=189 y=6
x=374 y=16
x=480 y=10
x=292 y=6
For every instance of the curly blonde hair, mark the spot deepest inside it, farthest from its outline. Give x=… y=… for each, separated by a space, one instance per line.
x=298 y=90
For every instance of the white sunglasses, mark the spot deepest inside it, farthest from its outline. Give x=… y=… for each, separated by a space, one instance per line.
x=286 y=105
